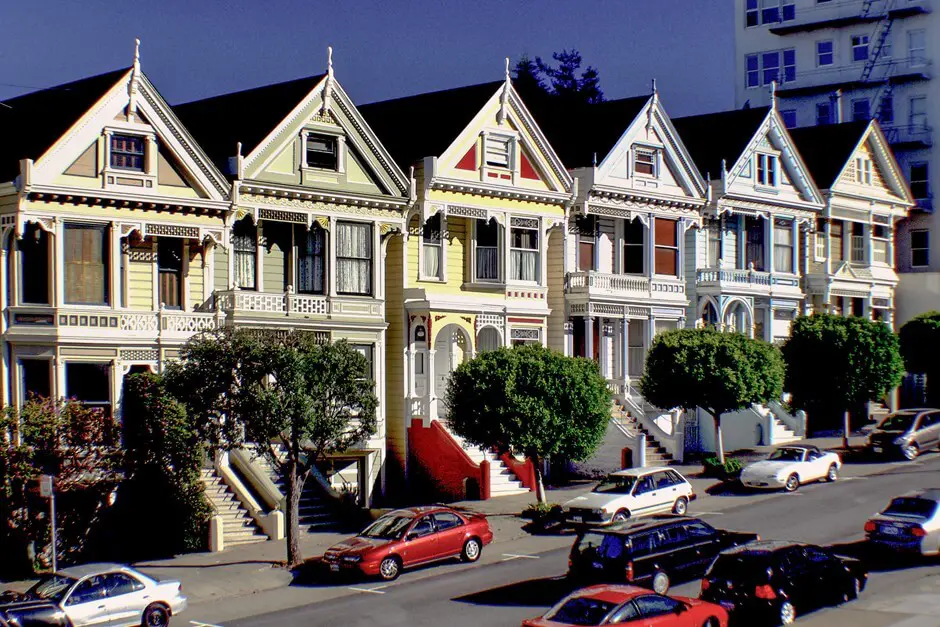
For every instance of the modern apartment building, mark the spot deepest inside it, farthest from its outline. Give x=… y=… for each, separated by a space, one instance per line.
x=849 y=60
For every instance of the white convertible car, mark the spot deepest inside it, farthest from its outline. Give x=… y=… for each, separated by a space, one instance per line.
x=790 y=466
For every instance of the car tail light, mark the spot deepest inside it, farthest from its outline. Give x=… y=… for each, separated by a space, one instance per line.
x=706 y=584
x=870 y=526
x=570 y=563
x=765 y=592
x=629 y=571
x=918 y=532
x=757 y=538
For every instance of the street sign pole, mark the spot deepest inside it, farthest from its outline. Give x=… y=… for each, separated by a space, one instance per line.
x=46 y=489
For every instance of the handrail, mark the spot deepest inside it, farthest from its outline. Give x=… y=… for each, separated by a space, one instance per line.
x=244 y=461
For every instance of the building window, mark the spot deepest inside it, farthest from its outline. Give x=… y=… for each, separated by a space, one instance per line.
x=823 y=113
x=863 y=170
x=765 y=68
x=498 y=151
x=524 y=253
x=835 y=241
x=354 y=258
x=757 y=12
x=127 y=153
x=245 y=249
x=321 y=151
x=820 y=238
x=918 y=113
x=86 y=264
x=783 y=246
x=432 y=248
x=789 y=117
x=860 y=48
x=860 y=110
x=713 y=233
x=917 y=47
x=920 y=248
x=89 y=384
x=311 y=260
x=825 y=53
x=35 y=378
x=587 y=228
x=487 y=250
x=752 y=70
x=633 y=248
x=880 y=243
x=858 y=242
x=751 y=13
x=754 y=243
x=170 y=269
x=886 y=112
x=887 y=47
x=667 y=247
x=767 y=170
x=34 y=265
x=367 y=351
x=919 y=184
x=644 y=161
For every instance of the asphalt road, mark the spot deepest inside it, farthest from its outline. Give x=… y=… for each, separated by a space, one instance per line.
x=520 y=585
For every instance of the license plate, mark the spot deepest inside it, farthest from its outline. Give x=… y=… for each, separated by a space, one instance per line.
x=876 y=449
x=890 y=531
x=576 y=519
x=334 y=567
x=728 y=605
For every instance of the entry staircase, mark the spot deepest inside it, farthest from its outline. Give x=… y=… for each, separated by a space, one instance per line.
x=315 y=512
x=782 y=433
x=656 y=455
x=238 y=527
x=503 y=482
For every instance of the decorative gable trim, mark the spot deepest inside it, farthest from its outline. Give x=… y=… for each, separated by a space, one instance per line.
x=541 y=142
x=887 y=162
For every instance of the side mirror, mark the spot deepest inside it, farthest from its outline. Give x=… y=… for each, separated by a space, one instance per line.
x=411 y=536
x=680 y=609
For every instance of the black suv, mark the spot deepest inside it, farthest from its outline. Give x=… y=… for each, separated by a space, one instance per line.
x=771 y=582
x=652 y=552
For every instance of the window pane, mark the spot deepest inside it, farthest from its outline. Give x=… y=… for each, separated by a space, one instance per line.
x=86 y=264
x=666 y=261
x=354 y=258
x=525 y=238
x=497 y=150
x=585 y=255
x=127 y=152
x=310 y=260
x=36 y=377
x=34 y=254
x=321 y=152
x=666 y=232
x=90 y=384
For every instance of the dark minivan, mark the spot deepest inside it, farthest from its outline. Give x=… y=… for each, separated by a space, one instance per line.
x=771 y=582
x=653 y=552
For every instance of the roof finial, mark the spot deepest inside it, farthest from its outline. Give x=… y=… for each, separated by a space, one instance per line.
x=329 y=60
x=132 y=86
x=328 y=85
x=773 y=94
x=137 y=54
x=504 y=97
x=655 y=91
x=508 y=76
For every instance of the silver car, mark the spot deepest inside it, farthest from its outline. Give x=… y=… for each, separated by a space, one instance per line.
x=910 y=524
x=98 y=595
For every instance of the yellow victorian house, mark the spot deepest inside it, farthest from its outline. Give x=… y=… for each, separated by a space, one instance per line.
x=472 y=272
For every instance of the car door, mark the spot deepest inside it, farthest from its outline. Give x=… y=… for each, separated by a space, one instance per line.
x=450 y=533
x=127 y=597
x=930 y=431
x=705 y=544
x=676 y=551
x=812 y=466
x=88 y=603
x=657 y=610
x=644 y=496
x=800 y=579
x=420 y=542
x=829 y=571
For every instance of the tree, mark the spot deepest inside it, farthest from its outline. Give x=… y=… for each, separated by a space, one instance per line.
x=565 y=83
x=289 y=398
x=719 y=372
x=528 y=78
x=836 y=364
x=530 y=401
x=920 y=343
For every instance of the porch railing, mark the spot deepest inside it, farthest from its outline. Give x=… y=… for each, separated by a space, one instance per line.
x=264 y=302
x=619 y=284
x=735 y=276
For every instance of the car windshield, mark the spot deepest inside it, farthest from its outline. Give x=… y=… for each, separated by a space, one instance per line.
x=387 y=527
x=615 y=484
x=787 y=455
x=897 y=422
x=601 y=545
x=51 y=587
x=906 y=506
x=580 y=611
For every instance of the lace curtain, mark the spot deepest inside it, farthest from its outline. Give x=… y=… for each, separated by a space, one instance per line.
x=524 y=256
x=783 y=248
x=353 y=258
x=243 y=247
x=432 y=259
x=311 y=262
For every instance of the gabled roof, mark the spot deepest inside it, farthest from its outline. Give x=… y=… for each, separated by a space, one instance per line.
x=826 y=149
x=715 y=137
x=32 y=123
x=416 y=127
x=220 y=122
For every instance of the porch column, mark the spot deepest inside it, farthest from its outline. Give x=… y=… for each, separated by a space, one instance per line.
x=742 y=243
x=606 y=349
x=651 y=247
x=796 y=247
x=331 y=274
x=589 y=337
x=769 y=245
x=410 y=371
x=431 y=397
x=625 y=350
x=650 y=334
x=569 y=339
x=116 y=286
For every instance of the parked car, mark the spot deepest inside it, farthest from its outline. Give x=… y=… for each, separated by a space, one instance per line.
x=410 y=537
x=906 y=433
x=653 y=553
x=910 y=524
x=94 y=594
x=772 y=582
x=628 y=605
x=788 y=467
x=631 y=493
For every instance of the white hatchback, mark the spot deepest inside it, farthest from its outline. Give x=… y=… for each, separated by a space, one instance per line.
x=631 y=493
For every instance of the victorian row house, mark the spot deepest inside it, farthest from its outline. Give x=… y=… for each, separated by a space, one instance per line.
x=423 y=231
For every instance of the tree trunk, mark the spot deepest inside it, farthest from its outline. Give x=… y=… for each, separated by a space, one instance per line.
x=539 y=486
x=846 y=429
x=294 y=489
x=719 y=441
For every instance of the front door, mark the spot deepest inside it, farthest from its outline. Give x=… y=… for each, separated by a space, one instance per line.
x=451 y=350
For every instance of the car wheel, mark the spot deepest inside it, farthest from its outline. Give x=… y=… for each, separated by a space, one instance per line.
x=681 y=506
x=660 y=582
x=787 y=613
x=711 y=622
x=854 y=591
x=910 y=452
x=620 y=516
x=471 y=550
x=793 y=482
x=390 y=568
x=833 y=473
x=156 y=615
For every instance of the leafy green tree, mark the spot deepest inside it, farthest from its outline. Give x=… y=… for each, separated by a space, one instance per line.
x=530 y=401
x=719 y=372
x=291 y=399
x=920 y=345
x=836 y=363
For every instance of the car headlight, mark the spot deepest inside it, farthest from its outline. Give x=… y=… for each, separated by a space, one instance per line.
x=352 y=559
x=600 y=511
x=901 y=441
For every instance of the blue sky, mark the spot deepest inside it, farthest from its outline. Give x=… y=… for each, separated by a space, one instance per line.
x=382 y=49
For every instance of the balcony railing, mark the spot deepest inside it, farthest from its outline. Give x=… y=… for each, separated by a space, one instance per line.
x=599 y=283
x=744 y=279
x=911 y=135
x=894 y=70
x=290 y=304
x=86 y=322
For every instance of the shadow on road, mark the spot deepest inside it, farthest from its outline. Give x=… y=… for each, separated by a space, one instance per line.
x=880 y=561
x=542 y=592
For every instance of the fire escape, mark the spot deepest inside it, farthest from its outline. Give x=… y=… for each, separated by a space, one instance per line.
x=876 y=54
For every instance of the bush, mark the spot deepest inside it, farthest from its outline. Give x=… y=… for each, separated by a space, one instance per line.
x=730 y=470
x=537 y=511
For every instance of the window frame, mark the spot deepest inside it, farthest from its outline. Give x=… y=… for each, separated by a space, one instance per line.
x=334 y=166
x=362 y=348
x=882 y=240
x=315 y=231
x=921 y=59
x=537 y=250
x=820 y=54
x=920 y=182
x=114 y=152
x=829 y=117
x=784 y=226
x=858 y=43
x=107 y=270
x=819 y=248
x=764 y=12
x=493 y=138
x=912 y=115
x=674 y=249
x=924 y=249
x=863 y=170
x=789 y=117
x=855 y=109
x=371 y=259
x=170 y=269
x=428 y=241
x=886 y=120
x=475 y=269
x=240 y=249
x=767 y=170
x=653 y=153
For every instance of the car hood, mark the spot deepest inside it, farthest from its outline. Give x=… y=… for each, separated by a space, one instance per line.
x=357 y=545
x=18 y=602
x=888 y=432
x=594 y=500
x=767 y=467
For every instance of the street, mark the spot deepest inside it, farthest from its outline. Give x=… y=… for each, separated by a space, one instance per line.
x=521 y=579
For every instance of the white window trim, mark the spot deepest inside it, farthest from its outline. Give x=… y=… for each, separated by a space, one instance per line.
x=819 y=241
x=655 y=151
x=148 y=177
x=340 y=149
x=863 y=171
x=774 y=185
x=889 y=244
x=833 y=52
x=512 y=170
x=853 y=46
x=499 y=280
x=540 y=250
x=421 y=275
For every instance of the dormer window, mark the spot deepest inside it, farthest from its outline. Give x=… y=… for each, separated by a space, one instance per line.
x=767 y=170
x=127 y=153
x=498 y=151
x=644 y=161
x=863 y=171
x=321 y=152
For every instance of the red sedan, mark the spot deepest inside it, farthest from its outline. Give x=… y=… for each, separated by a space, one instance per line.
x=629 y=605
x=410 y=537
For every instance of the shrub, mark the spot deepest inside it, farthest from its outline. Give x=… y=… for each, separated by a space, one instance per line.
x=537 y=511
x=731 y=469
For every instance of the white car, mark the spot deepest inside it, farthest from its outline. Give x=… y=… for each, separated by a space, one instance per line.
x=791 y=466
x=631 y=493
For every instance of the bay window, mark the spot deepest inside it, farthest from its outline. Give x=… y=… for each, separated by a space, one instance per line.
x=767 y=170
x=667 y=247
x=587 y=228
x=34 y=265
x=858 y=242
x=432 y=249
x=244 y=249
x=783 y=246
x=633 y=248
x=87 y=267
x=880 y=243
x=524 y=250
x=714 y=244
x=487 y=251
x=354 y=258
x=170 y=269
x=835 y=241
x=311 y=260
x=127 y=153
